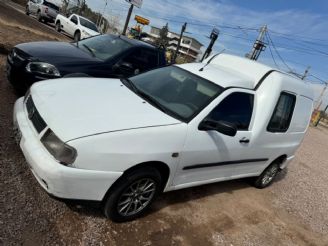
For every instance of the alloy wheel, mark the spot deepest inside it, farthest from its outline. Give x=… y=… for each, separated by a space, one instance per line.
x=136 y=197
x=269 y=175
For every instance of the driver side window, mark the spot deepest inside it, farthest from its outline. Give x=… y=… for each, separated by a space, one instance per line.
x=236 y=108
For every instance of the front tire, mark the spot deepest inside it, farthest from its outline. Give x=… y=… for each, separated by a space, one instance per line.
x=58 y=29
x=132 y=194
x=38 y=16
x=267 y=176
x=77 y=36
x=27 y=11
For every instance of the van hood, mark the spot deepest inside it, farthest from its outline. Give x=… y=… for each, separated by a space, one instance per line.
x=79 y=107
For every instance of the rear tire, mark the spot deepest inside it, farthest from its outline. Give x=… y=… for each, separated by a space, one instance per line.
x=27 y=11
x=38 y=16
x=133 y=194
x=267 y=176
x=57 y=27
x=77 y=36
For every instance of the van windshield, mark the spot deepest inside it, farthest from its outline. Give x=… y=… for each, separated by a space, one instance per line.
x=176 y=91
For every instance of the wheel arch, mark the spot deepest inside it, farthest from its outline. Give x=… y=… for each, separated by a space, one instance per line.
x=281 y=159
x=161 y=167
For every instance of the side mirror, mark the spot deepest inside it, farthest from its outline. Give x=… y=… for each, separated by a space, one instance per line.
x=221 y=126
x=125 y=67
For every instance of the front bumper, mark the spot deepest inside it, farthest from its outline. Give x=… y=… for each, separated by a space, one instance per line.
x=58 y=180
x=17 y=75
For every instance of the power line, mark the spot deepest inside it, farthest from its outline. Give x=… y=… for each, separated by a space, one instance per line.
x=274 y=47
x=316 y=77
x=274 y=60
x=299 y=36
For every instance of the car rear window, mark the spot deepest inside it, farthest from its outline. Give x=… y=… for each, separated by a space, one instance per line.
x=88 y=24
x=51 y=5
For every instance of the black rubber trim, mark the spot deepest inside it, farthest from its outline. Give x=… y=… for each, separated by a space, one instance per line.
x=263 y=78
x=224 y=163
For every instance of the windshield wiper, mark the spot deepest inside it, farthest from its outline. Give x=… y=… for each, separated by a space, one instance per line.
x=144 y=95
x=130 y=84
x=89 y=49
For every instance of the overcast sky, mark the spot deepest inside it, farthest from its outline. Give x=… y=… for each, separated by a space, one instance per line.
x=298 y=28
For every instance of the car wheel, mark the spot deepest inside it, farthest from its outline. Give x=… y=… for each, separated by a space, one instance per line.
x=58 y=29
x=267 y=176
x=133 y=194
x=27 y=11
x=77 y=36
x=38 y=16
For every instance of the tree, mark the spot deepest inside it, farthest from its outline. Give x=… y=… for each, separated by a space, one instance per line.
x=163 y=40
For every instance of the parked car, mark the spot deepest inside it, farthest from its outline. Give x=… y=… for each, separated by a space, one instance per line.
x=101 y=56
x=76 y=26
x=44 y=10
x=122 y=142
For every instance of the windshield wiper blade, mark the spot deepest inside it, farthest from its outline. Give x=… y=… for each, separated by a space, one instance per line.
x=130 y=84
x=89 y=49
x=144 y=95
x=152 y=101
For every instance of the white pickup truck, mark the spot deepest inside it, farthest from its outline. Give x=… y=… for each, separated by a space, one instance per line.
x=76 y=26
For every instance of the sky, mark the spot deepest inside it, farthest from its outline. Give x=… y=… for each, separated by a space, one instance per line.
x=297 y=28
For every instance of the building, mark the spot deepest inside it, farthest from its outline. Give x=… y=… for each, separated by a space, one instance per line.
x=189 y=47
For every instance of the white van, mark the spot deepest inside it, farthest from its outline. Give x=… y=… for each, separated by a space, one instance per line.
x=122 y=142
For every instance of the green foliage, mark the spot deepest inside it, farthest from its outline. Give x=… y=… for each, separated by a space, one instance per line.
x=163 y=40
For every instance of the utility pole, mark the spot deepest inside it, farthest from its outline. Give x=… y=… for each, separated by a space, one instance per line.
x=305 y=73
x=183 y=29
x=127 y=20
x=320 y=97
x=321 y=116
x=259 y=44
x=214 y=35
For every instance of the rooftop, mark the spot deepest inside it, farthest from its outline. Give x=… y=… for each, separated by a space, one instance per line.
x=234 y=71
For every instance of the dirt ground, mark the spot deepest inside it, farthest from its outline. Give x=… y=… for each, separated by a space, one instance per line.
x=293 y=211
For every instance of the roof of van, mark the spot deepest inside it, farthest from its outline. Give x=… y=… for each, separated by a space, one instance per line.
x=234 y=71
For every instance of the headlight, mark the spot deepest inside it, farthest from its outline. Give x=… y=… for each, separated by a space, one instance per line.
x=62 y=152
x=42 y=68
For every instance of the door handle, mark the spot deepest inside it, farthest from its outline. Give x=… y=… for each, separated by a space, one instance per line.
x=244 y=140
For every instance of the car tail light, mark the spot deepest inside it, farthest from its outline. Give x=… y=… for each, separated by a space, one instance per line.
x=46 y=10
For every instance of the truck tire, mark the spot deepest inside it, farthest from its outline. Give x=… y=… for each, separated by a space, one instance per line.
x=77 y=36
x=133 y=194
x=57 y=27
x=38 y=16
x=27 y=10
